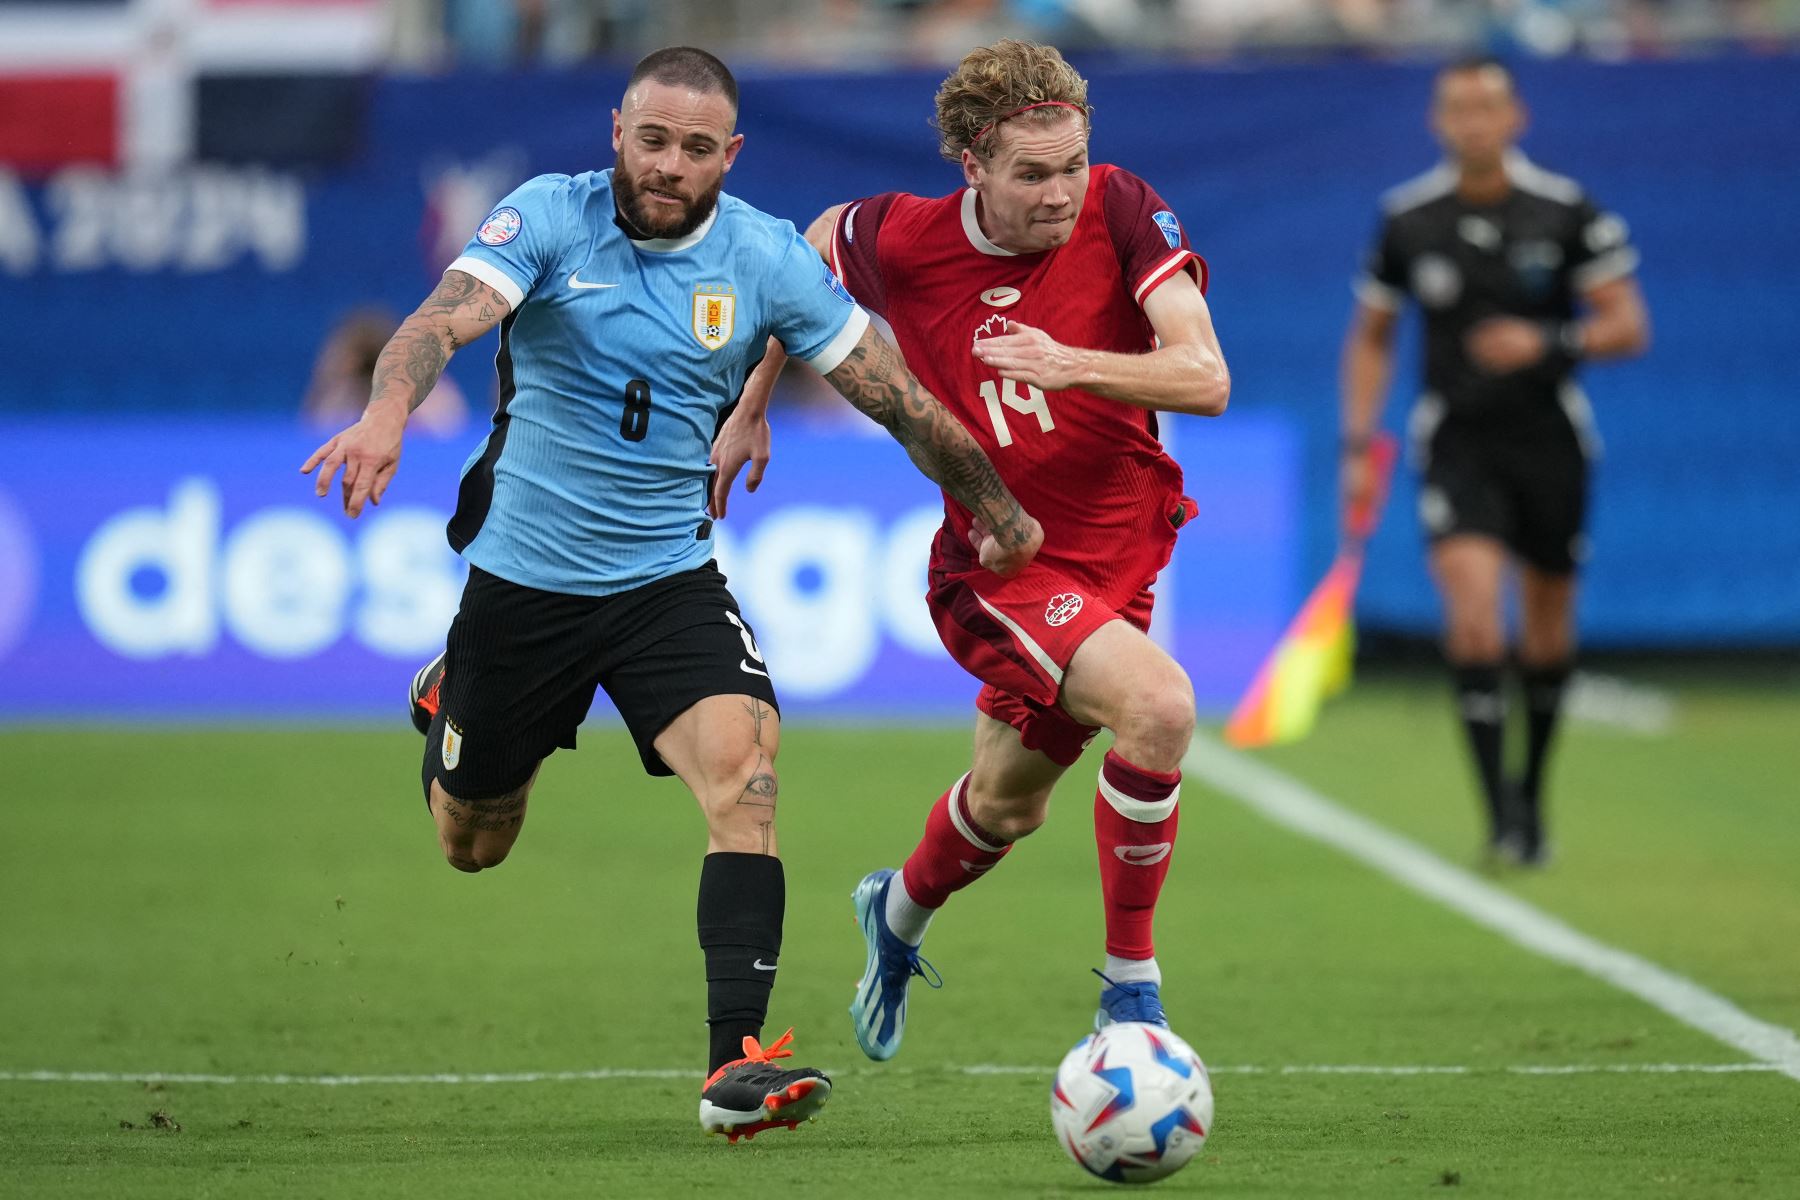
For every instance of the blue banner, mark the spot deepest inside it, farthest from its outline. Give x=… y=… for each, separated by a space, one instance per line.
x=185 y=570
x=228 y=289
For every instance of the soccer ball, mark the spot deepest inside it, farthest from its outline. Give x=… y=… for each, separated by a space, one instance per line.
x=1132 y=1103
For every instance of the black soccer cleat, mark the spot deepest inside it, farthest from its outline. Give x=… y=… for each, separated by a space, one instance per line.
x=423 y=696
x=751 y=1094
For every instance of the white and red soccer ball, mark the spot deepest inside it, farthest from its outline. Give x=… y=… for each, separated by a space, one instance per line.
x=1132 y=1103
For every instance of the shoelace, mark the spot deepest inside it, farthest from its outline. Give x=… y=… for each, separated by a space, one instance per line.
x=1134 y=990
x=916 y=965
x=754 y=1051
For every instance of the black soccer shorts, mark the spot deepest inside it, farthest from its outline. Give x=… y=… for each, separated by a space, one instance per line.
x=1529 y=493
x=521 y=666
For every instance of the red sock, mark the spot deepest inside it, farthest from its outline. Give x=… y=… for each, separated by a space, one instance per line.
x=1135 y=815
x=954 y=852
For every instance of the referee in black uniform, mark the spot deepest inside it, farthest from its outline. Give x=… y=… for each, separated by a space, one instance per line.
x=1520 y=278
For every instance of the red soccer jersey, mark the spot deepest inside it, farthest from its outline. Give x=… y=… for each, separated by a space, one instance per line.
x=1091 y=469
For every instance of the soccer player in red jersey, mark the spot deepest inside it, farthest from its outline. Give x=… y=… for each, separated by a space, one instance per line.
x=1055 y=307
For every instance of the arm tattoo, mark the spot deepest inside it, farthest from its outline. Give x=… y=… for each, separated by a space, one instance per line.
x=414 y=357
x=875 y=380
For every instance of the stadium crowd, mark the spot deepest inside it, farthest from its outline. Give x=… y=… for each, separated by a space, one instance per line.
x=827 y=33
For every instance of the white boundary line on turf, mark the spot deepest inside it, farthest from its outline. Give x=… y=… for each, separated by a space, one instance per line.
x=1287 y=802
x=606 y=1073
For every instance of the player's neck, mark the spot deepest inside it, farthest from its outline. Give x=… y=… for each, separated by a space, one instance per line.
x=984 y=222
x=1483 y=184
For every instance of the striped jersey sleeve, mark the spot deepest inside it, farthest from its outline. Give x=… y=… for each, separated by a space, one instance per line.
x=1151 y=243
x=855 y=258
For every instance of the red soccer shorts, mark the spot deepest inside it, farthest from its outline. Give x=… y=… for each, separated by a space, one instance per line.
x=1018 y=636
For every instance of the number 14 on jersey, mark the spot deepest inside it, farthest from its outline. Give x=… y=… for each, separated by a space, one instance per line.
x=1005 y=395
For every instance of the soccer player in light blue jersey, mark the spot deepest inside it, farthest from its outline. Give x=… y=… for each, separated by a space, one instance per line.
x=633 y=304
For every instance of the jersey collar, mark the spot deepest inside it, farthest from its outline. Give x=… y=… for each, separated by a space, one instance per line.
x=670 y=245
x=972 y=227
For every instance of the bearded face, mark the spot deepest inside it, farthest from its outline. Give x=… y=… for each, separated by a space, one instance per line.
x=672 y=146
x=659 y=207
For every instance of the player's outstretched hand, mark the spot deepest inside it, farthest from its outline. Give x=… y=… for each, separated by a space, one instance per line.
x=743 y=439
x=1007 y=557
x=1026 y=354
x=368 y=452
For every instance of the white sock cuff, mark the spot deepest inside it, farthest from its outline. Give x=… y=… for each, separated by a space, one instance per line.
x=1146 y=812
x=958 y=796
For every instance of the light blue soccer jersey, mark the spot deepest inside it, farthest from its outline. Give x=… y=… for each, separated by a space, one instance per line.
x=615 y=363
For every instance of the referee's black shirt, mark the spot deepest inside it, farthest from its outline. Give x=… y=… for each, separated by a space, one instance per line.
x=1529 y=256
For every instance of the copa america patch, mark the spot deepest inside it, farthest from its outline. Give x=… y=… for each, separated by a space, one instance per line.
x=1171 y=228
x=837 y=287
x=1062 y=608
x=501 y=227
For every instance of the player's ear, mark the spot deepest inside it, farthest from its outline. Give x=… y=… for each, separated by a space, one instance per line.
x=971 y=166
x=618 y=130
x=731 y=149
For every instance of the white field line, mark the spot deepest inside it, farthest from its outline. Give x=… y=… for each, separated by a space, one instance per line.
x=609 y=1073
x=1289 y=803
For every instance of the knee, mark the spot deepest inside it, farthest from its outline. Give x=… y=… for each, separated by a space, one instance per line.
x=1475 y=641
x=1008 y=818
x=1472 y=632
x=741 y=791
x=1547 y=642
x=477 y=834
x=476 y=854
x=1163 y=714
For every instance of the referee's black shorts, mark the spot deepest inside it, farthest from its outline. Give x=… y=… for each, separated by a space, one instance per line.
x=1528 y=491
x=521 y=666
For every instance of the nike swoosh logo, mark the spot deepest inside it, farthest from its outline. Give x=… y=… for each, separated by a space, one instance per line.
x=576 y=283
x=744 y=665
x=1143 y=856
x=760 y=965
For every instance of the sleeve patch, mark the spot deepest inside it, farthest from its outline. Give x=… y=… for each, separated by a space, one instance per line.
x=1604 y=233
x=501 y=227
x=837 y=287
x=1171 y=228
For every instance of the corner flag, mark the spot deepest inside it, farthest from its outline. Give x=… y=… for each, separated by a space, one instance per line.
x=1311 y=662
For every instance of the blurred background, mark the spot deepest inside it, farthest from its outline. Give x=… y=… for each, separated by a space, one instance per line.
x=213 y=212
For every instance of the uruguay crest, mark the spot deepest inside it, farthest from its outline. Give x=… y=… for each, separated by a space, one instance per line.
x=715 y=314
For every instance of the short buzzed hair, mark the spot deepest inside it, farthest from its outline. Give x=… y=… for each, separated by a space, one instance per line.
x=1474 y=64
x=688 y=67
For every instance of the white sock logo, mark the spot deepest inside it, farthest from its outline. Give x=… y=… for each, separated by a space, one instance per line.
x=1143 y=856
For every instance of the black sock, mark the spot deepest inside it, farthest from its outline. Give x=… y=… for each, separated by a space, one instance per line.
x=1544 y=687
x=1483 y=709
x=742 y=897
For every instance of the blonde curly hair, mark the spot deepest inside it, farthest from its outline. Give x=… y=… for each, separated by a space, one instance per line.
x=993 y=83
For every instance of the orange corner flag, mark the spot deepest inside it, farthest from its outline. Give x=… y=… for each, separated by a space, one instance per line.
x=1311 y=662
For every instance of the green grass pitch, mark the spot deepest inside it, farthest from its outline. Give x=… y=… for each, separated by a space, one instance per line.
x=247 y=902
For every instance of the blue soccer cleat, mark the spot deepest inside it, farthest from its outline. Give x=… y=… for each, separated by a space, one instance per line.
x=879 y=1010
x=1129 y=1002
